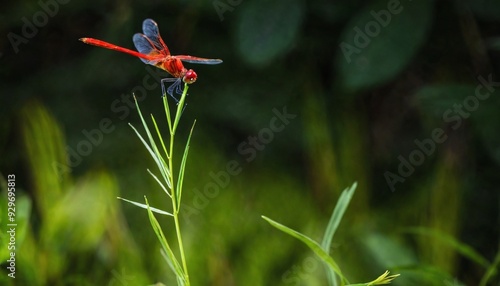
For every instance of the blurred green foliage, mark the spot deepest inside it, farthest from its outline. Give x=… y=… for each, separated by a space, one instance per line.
x=64 y=134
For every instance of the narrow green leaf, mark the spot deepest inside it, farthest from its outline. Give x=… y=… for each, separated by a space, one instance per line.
x=313 y=245
x=160 y=183
x=146 y=128
x=460 y=247
x=180 y=107
x=492 y=271
x=146 y=207
x=167 y=259
x=180 y=280
x=155 y=153
x=159 y=136
x=337 y=214
x=158 y=160
x=167 y=112
x=164 y=243
x=183 y=167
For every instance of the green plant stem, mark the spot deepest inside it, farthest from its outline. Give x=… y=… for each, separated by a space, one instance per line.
x=173 y=190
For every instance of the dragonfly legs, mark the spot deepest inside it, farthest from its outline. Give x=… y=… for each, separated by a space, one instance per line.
x=177 y=86
x=170 y=90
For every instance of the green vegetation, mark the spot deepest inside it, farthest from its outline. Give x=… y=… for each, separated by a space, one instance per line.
x=401 y=97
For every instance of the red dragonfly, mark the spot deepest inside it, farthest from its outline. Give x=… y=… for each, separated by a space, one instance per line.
x=153 y=51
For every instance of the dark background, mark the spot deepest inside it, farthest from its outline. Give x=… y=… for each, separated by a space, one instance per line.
x=370 y=84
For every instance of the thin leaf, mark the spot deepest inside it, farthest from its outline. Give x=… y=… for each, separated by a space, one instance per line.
x=492 y=271
x=164 y=243
x=159 y=161
x=180 y=280
x=460 y=247
x=167 y=111
x=180 y=106
x=337 y=214
x=167 y=259
x=160 y=183
x=183 y=167
x=159 y=136
x=155 y=153
x=146 y=207
x=313 y=245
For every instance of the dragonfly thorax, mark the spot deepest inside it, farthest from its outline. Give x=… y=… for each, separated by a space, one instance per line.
x=190 y=77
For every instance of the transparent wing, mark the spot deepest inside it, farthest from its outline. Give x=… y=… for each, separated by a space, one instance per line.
x=150 y=29
x=196 y=60
x=146 y=47
x=150 y=43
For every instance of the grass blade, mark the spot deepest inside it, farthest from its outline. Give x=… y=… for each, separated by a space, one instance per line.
x=182 y=168
x=155 y=153
x=146 y=207
x=313 y=245
x=167 y=259
x=170 y=263
x=180 y=107
x=492 y=271
x=337 y=214
x=158 y=160
x=167 y=111
x=164 y=243
x=160 y=183
x=460 y=247
x=159 y=136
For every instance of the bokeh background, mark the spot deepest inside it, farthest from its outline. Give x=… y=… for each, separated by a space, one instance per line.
x=364 y=84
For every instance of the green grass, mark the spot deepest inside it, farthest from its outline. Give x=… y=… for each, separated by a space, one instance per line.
x=173 y=189
x=322 y=251
x=166 y=181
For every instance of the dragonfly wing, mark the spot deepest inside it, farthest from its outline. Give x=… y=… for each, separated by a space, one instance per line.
x=150 y=29
x=196 y=60
x=146 y=47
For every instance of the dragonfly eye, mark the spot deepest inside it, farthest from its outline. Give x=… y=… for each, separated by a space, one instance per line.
x=190 y=77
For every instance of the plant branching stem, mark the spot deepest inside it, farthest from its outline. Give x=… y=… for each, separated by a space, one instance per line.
x=176 y=206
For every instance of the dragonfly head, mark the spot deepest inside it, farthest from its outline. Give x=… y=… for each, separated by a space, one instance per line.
x=190 y=77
